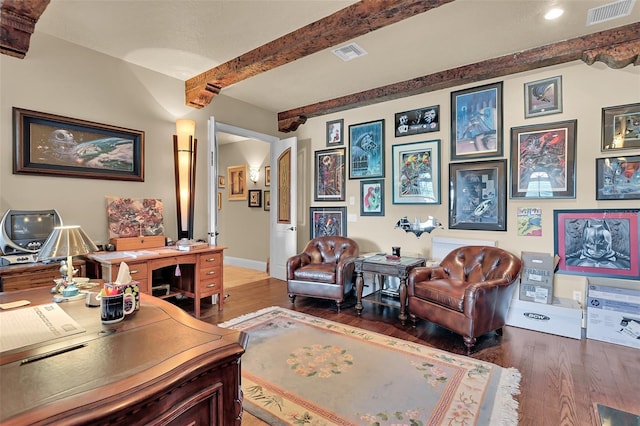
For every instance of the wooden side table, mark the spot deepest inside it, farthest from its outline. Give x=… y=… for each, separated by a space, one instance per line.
x=380 y=264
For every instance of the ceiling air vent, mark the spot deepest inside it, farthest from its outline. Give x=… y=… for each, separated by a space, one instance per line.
x=610 y=11
x=349 y=52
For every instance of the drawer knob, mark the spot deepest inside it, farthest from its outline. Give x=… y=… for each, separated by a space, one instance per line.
x=211 y=273
x=133 y=271
x=211 y=285
x=211 y=259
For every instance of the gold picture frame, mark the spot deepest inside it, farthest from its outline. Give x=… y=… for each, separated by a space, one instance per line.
x=237 y=182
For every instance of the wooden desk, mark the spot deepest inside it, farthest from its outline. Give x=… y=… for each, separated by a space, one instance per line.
x=158 y=366
x=23 y=276
x=201 y=270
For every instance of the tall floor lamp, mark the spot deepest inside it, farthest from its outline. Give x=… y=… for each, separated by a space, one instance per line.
x=184 y=155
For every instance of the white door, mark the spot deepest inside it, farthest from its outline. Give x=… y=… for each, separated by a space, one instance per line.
x=284 y=218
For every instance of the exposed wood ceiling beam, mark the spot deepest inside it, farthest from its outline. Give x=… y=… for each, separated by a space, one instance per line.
x=617 y=48
x=346 y=24
x=17 y=22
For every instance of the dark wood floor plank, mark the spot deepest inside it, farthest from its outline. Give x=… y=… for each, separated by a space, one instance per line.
x=562 y=378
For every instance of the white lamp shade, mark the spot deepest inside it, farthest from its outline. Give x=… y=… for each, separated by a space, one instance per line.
x=66 y=241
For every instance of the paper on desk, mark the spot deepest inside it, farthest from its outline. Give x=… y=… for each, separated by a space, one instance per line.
x=124 y=276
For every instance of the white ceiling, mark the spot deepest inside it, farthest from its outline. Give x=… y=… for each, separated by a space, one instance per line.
x=183 y=38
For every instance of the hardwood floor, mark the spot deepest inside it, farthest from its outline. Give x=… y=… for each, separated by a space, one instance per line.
x=562 y=378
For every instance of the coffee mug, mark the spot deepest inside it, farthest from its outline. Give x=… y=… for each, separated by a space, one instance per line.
x=114 y=308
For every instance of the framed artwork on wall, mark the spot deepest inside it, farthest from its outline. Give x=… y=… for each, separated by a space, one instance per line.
x=53 y=145
x=335 y=132
x=255 y=198
x=618 y=178
x=372 y=197
x=366 y=150
x=329 y=175
x=416 y=172
x=543 y=97
x=621 y=127
x=598 y=242
x=328 y=221
x=220 y=181
x=476 y=122
x=267 y=200
x=267 y=175
x=237 y=182
x=417 y=121
x=478 y=195
x=543 y=160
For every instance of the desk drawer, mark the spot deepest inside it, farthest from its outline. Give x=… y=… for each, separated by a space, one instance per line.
x=138 y=271
x=210 y=260
x=210 y=280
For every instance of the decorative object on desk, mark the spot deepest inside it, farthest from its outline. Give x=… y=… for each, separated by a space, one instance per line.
x=366 y=150
x=478 y=195
x=66 y=242
x=395 y=251
x=421 y=120
x=254 y=174
x=329 y=175
x=543 y=160
x=621 y=127
x=418 y=227
x=372 y=197
x=328 y=221
x=134 y=217
x=543 y=97
x=416 y=173
x=618 y=178
x=184 y=156
x=48 y=144
x=255 y=198
x=601 y=243
x=113 y=308
x=476 y=122
x=445 y=388
x=237 y=182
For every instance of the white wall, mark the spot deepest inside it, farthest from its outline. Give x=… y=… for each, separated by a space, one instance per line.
x=586 y=90
x=64 y=79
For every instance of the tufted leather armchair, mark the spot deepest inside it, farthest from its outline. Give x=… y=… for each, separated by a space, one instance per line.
x=324 y=269
x=469 y=293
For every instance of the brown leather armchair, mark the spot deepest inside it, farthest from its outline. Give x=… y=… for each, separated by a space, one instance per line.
x=469 y=293
x=324 y=269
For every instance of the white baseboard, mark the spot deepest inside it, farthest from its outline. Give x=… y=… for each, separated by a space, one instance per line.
x=245 y=263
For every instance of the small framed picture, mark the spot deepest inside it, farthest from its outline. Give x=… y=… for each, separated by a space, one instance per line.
x=598 y=242
x=618 y=178
x=543 y=160
x=416 y=173
x=372 y=197
x=237 y=177
x=328 y=221
x=421 y=120
x=220 y=181
x=476 y=122
x=478 y=195
x=267 y=200
x=267 y=175
x=621 y=127
x=366 y=150
x=255 y=198
x=335 y=132
x=543 y=97
x=219 y=200
x=329 y=175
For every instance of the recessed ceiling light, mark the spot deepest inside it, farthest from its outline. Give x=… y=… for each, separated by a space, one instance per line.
x=554 y=13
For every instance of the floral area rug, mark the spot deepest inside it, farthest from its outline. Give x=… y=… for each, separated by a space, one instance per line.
x=303 y=370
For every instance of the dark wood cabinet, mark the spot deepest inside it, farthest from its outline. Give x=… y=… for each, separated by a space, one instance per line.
x=24 y=276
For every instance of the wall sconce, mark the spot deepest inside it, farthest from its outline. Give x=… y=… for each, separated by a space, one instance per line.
x=184 y=156
x=254 y=174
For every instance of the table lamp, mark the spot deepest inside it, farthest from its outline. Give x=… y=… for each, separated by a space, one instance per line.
x=66 y=242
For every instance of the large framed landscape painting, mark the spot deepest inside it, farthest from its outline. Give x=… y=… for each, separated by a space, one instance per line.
x=600 y=242
x=48 y=144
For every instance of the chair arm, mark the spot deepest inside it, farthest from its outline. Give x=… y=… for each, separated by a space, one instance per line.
x=482 y=292
x=424 y=273
x=345 y=268
x=295 y=262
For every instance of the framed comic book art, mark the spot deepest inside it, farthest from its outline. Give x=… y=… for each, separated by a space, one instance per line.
x=329 y=175
x=598 y=242
x=543 y=97
x=621 y=127
x=366 y=150
x=328 y=221
x=478 y=195
x=476 y=122
x=335 y=132
x=416 y=173
x=543 y=160
x=372 y=197
x=618 y=178
x=423 y=120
